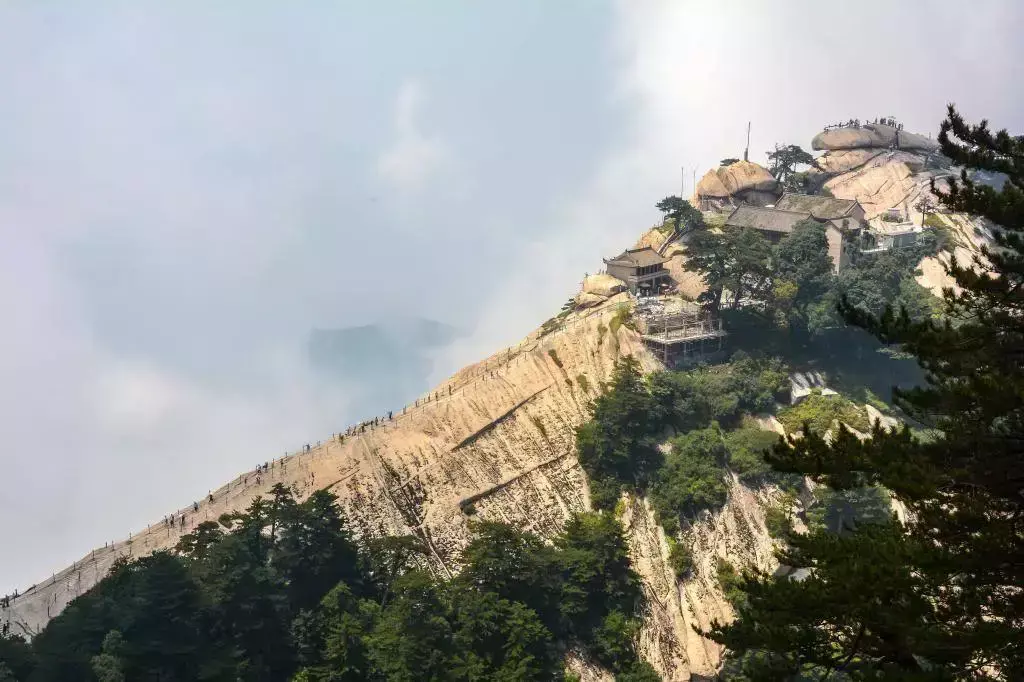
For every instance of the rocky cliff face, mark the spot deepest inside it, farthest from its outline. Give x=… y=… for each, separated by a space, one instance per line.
x=495 y=440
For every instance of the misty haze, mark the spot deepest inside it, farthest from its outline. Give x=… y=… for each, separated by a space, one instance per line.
x=468 y=330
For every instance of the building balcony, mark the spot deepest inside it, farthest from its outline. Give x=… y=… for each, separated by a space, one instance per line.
x=648 y=277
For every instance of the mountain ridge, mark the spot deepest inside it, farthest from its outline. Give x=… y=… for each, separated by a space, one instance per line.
x=496 y=441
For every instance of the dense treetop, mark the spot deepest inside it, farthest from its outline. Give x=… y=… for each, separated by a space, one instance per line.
x=282 y=591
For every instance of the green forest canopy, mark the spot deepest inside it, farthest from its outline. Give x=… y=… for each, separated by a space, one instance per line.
x=282 y=591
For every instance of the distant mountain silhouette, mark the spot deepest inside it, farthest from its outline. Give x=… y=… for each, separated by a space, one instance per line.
x=386 y=363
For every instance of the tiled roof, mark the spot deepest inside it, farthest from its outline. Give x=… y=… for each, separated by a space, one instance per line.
x=768 y=219
x=822 y=208
x=638 y=258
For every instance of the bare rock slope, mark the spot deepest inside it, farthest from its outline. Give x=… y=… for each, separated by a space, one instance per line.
x=498 y=435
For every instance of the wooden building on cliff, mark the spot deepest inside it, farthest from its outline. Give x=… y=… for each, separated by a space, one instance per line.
x=643 y=270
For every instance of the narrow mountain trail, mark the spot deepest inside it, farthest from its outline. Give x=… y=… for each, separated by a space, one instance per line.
x=409 y=474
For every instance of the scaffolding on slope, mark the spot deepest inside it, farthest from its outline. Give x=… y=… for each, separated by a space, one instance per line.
x=687 y=335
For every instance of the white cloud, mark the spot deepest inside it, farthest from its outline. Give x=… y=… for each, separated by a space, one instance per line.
x=414 y=155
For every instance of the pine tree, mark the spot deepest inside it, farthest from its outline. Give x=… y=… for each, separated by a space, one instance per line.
x=681 y=212
x=803 y=269
x=939 y=596
x=315 y=552
x=735 y=260
x=782 y=162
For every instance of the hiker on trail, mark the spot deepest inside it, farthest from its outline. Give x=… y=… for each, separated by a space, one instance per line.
x=182 y=520
x=195 y=506
x=449 y=390
x=211 y=498
x=389 y=415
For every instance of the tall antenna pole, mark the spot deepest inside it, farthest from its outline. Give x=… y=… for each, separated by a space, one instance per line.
x=682 y=182
x=746 y=150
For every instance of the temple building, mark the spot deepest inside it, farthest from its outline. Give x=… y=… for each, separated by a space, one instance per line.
x=643 y=270
x=843 y=220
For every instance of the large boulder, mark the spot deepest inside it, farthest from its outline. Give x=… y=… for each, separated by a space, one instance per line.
x=744 y=176
x=871 y=136
x=845 y=160
x=741 y=181
x=711 y=186
x=602 y=285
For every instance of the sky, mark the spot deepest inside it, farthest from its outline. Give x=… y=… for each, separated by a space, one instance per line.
x=188 y=190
